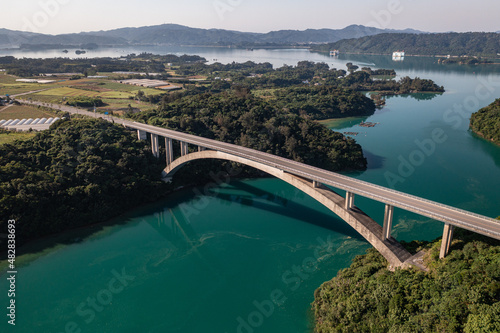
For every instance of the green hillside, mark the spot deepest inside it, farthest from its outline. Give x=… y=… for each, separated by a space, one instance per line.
x=455 y=44
x=486 y=122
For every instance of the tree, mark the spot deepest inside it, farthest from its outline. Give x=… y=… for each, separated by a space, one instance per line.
x=351 y=68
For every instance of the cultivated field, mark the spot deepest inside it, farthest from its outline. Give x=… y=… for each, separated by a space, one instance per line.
x=116 y=95
x=72 y=92
x=22 y=112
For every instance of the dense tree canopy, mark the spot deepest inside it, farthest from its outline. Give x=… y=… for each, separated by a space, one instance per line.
x=459 y=294
x=486 y=122
x=324 y=102
x=251 y=122
x=78 y=172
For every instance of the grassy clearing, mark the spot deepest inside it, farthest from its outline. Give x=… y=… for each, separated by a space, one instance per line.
x=130 y=88
x=114 y=104
x=7 y=79
x=44 y=99
x=264 y=93
x=339 y=123
x=9 y=137
x=22 y=112
x=383 y=77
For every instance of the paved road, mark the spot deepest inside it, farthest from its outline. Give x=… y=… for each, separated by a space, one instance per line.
x=447 y=214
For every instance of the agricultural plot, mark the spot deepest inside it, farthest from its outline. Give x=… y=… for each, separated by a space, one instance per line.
x=115 y=95
x=14 y=89
x=9 y=85
x=72 y=92
x=129 y=88
x=7 y=79
x=22 y=112
x=10 y=137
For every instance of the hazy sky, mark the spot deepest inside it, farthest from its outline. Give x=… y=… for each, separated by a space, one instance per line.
x=67 y=16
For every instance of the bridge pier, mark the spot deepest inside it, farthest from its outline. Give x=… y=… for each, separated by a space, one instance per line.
x=184 y=148
x=388 y=218
x=155 y=146
x=170 y=150
x=316 y=184
x=200 y=148
x=446 y=241
x=349 y=200
x=142 y=135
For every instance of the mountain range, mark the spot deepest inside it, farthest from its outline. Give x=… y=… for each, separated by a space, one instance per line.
x=174 y=34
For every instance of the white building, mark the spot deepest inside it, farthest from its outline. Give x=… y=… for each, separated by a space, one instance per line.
x=398 y=56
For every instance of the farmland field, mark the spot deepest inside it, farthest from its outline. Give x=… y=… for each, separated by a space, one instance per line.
x=10 y=137
x=20 y=88
x=114 y=94
x=22 y=112
x=9 y=85
x=72 y=92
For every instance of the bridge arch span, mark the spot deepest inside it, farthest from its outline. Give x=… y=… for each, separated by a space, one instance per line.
x=395 y=254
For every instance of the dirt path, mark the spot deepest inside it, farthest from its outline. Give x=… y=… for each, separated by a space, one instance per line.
x=6 y=107
x=31 y=92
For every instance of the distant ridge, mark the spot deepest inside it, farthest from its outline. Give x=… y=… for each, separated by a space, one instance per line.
x=178 y=34
x=14 y=39
x=454 y=44
x=174 y=34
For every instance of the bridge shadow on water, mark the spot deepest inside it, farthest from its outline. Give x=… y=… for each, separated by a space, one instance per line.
x=174 y=227
x=284 y=204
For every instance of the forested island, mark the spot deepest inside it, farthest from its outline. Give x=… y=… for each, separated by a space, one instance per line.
x=464 y=60
x=460 y=293
x=455 y=44
x=486 y=122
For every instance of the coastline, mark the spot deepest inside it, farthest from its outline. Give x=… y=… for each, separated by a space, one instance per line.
x=481 y=136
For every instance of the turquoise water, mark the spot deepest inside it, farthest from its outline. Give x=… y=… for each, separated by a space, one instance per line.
x=247 y=256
